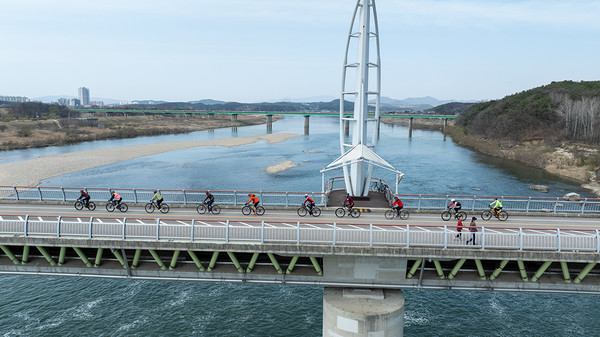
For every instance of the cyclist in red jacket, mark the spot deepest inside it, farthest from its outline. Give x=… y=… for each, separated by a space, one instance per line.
x=309 y=203
x=397 y=205
x=349 y=203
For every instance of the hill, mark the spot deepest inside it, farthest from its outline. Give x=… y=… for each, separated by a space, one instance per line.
x=558 y=111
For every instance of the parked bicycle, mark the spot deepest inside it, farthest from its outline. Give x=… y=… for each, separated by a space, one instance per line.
x=303 y=211
x=202 y=208
x=447 y=214
x=341 y=212
x=121 y=207
x=247 y=209
x=152 y=205
x=79 y=205
x=392 y=213
x=502 y=215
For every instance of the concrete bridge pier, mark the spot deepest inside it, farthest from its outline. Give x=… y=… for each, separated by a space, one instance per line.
x=410 y=123
x=269 y=123
x=306 y=124
x=352 y=312
x=234 y=117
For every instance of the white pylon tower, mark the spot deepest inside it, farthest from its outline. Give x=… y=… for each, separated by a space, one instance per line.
x=361 y=126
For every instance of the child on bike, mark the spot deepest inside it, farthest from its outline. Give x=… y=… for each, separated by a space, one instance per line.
x=85 y=198
x=254 y=200
x=158 y=197
x=397 y=205
x=209 y=200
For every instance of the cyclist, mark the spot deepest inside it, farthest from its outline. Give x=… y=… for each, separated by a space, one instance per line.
x=397 y=205
x=496 y=205
x=158 y=197
x=85 y=198
x=209 y=200
x=309 y=203
x=115 y=198
x=254 y=200
x=454 y=205
x=349 y=203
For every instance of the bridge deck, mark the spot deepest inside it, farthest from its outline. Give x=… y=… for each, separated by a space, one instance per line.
x=374 y=200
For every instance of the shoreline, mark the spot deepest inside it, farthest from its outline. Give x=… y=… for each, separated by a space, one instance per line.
x=33 y=171
x=557 y=161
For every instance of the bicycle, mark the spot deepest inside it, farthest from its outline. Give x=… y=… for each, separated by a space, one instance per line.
x=340 y=212
x=202 y=208
x=392 y=213
x=303 y=210
x=447 y=214
x=121 y=207
x=502 y=215
x=247 y=209
x=164 y=208
x=79 y=205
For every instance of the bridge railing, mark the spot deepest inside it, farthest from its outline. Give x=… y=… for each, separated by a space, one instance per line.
x=129 y=195
x=321 y=233
x=274 y=198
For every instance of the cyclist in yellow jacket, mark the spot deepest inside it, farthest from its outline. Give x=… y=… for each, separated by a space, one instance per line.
x=496 y=205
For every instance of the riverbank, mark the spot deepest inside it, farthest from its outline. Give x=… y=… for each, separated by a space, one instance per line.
x=23 y=134
x=32 y=172
x=577 y=162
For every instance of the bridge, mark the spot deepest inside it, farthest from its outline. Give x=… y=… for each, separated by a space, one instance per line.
x=547 y=244
x=268 y=114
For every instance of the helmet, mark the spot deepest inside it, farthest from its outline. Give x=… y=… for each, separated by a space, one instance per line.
x=154 y=191
x=347 y=194
x=395 y=198
x=306 y=195
x=453 y=200
x=207 y=192
x=81 y=191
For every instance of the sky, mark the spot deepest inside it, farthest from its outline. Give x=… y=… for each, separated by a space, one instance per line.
x=270 y=50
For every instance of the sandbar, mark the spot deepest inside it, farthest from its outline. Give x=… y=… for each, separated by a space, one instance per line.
x=285 y=165
x=32 y=172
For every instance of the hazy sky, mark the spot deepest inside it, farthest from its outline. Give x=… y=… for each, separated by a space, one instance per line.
x=251 y=51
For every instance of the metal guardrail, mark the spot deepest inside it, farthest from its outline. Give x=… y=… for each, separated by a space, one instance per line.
x=272 y=198
x=334 y=234
x=481 y=202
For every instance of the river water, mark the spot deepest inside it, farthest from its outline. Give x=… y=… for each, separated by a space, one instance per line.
x=53 y=306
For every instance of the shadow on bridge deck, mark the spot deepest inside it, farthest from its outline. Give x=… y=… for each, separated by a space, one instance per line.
x=374 y=200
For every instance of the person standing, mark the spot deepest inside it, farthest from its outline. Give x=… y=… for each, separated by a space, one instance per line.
x=473 y=230
x=459 y=227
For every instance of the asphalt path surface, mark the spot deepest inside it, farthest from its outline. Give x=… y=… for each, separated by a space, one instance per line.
x=274 y=215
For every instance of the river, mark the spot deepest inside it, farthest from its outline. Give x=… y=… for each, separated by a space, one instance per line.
x=53 y=306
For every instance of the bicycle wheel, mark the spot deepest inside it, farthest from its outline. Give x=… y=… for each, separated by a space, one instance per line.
x=201 y=209
x=502 y=216
x=316 y=211
x=215 y=209
x=355 y=213
x=340 y=212
x=486 y=215
x=149 y=207
x=404 y=215
x=246 y=210
x=260 y=210
x=91 y=205
x=390 y=214
x=110 y=207
x=301 y=211
x=446 y=215
x=462 y=215
x=164 y=208
x=78 y=206
x=123 y=207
